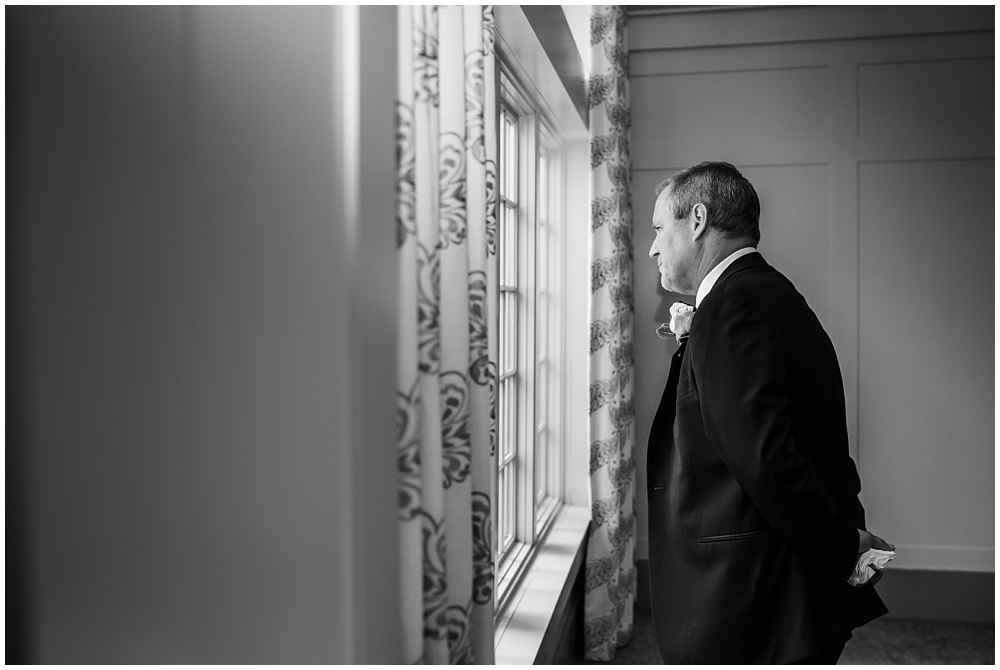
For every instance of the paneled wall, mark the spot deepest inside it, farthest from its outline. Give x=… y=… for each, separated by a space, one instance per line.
x=868 y=134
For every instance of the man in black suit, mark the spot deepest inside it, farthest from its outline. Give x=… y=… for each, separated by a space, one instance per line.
x=754 y=519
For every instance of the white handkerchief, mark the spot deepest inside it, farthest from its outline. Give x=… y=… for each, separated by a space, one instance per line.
x=868 y=562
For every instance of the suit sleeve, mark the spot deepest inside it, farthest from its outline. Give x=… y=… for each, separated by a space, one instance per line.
x=741 y=370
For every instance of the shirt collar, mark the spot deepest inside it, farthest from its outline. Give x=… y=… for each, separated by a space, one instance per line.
x=709 y=281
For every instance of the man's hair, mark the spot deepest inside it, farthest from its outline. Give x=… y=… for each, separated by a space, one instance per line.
x=730 y=200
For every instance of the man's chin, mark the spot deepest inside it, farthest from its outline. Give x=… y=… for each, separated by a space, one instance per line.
x=672 y=289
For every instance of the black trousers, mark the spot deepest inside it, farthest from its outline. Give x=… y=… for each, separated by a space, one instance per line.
x=827 y=657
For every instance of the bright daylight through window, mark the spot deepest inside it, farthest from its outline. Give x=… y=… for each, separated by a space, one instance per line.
x=530 y=460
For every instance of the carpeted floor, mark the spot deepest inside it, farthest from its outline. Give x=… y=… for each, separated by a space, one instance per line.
x=919 y=642
x=883 y=641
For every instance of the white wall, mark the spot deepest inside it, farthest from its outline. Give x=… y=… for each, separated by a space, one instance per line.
x=868 y=134
x=206 y=348
x=578 y=19
x=577 y=334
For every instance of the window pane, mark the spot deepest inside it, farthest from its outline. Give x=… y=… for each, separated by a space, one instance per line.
x=506 y=260
x=511 y=445
x=541 y=463
x=504 y=419
x=543 y=188
x=511 y=331
x=501 y=251
x=504 y=154
x=501 y=513
x=505 y=332
x=512 y=159
x=511 y=499
x=512 y=246
x=503 y=522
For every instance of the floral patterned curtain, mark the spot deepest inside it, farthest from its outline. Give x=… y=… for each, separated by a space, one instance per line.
x=446 y=419
x=610 y=567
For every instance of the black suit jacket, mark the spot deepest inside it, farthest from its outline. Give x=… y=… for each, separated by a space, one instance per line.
x=753 y=495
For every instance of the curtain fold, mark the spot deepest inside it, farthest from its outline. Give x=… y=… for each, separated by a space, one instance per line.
x=610 y=568
x=447 y=334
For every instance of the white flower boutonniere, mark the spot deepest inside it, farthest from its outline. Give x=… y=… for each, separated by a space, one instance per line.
x=680 y=322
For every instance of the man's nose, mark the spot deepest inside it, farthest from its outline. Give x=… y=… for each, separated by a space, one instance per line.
x=652 y=251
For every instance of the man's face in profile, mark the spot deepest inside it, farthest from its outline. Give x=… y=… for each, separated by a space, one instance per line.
x=671 y=246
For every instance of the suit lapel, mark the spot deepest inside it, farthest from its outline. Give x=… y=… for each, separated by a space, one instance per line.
x=664 y=420
x=662 y=429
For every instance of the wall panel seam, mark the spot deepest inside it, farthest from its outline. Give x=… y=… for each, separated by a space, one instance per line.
x=857 y=99
x=945 y=547
x=953 y=159
x=731 y=71
x=924 y=60
x=740 y=166
x=857 y=321
x=818 y=40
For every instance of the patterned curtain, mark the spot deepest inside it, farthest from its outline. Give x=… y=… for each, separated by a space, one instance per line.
x=610 y=568
x=446 y=418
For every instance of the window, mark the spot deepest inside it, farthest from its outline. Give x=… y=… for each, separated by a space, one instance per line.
x=529 y=477
x=548 y=331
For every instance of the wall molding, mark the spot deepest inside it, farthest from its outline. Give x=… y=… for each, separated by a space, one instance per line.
x=661 y=10
x=743 y=166
x=522 y=49
x=952 y=559
x=741 y=70
x=554 y=34
x=947 y=159
x=688 y=28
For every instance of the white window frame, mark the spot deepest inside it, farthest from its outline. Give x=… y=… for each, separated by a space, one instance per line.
x=531 y=445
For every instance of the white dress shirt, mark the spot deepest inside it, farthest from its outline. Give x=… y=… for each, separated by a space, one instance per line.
x=709 y=281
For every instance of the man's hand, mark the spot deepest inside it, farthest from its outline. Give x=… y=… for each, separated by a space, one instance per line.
x=868 y=541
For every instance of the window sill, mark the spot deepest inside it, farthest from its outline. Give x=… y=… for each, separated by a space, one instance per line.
x=513 y=567
x=539 y=598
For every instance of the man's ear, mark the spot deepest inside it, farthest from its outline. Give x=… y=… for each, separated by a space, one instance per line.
x=699 y=221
